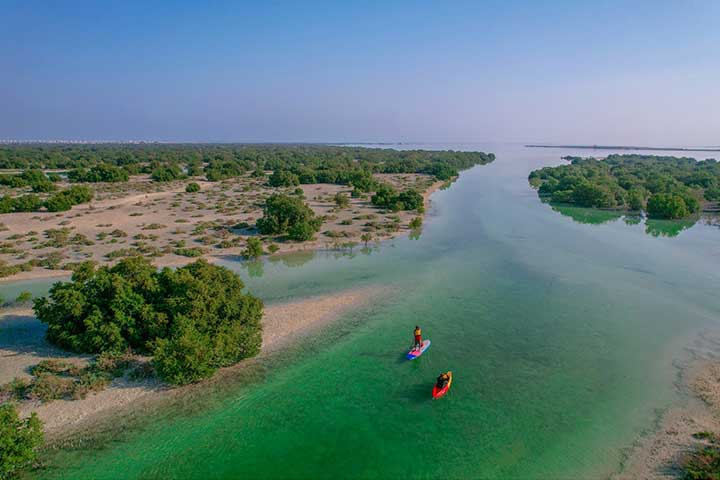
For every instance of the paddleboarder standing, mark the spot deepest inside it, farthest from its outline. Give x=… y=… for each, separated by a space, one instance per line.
x=418 y=337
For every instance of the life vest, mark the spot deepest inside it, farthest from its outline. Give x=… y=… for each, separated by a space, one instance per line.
x=418 y=332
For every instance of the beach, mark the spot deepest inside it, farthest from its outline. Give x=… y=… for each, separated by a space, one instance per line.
x=22 y=345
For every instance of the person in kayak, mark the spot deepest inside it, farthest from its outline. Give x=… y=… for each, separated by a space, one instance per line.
x=442 y=380
x=418 y=337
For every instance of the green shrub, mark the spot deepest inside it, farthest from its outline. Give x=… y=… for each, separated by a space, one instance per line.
x=667 y=205
x=7 y=204
x=101 y=172
x=386 y=197
x=154 y=226
x=283 y=178
x=253 y=249
x=52 y=366
x=192 y=187
x=26 y=203
x=702 y=463
x=221 y=169
x=341 y=200
x=18 y=388
x=185 y=357
x=19 y=441
x=283 y=214
x=194 y=319
x=65 y=200
x=24 y=297
x=90 y=381
x=304 y=230
x=48 y=387
x=44 y=187
x=166 y=173
x=112 y=363
x=78 y=194
x=190 y=252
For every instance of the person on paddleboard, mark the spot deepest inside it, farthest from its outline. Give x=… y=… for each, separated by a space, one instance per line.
x=442 y=380
x=418 y=337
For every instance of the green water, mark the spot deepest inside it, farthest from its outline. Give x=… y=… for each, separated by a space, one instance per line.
x=561 y=334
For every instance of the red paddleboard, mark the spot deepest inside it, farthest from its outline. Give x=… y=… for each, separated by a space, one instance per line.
x=439 y=392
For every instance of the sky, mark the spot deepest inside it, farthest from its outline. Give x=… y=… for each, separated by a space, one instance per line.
x=580 y=72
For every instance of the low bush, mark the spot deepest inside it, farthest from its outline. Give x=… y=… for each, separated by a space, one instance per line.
x=704 y=461
x=253 y=248
x=190 y=252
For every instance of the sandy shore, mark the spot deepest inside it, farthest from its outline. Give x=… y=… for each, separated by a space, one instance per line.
x=22 y=345
x=658 y=456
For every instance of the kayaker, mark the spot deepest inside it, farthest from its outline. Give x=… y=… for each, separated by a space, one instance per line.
x=442 y=380
x=418 y=337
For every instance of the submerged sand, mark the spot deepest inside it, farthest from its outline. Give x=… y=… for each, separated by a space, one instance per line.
x=22 y=345
x=659 y=456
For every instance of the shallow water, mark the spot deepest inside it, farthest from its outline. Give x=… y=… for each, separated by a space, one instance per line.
x=560 y=328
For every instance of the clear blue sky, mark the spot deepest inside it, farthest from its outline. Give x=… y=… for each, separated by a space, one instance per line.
x=640 y=72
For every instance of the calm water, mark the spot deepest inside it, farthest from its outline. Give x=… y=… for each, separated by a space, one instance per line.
x=560 y=327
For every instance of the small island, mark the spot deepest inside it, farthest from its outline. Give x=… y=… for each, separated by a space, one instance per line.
x=663 y=187
x=628 y=147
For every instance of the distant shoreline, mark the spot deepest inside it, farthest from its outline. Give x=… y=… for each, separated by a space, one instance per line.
x=627 y=147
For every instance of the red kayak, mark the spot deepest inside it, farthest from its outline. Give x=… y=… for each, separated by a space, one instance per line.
x=439 y=392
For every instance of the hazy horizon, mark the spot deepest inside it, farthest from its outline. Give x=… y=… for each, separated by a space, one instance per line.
x=640 y=74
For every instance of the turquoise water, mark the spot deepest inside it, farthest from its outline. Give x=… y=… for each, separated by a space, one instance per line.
x=561 y=333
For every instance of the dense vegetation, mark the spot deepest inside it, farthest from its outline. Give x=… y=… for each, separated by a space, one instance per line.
x=64 y=200
x=387 y=197
x=102 y=172
x=665 y=187
x=284 y=214
x=19 y=441
x=310 y=163
x=58 y=202
x=283 y=178
x=33 y=178
x=193 y=320
x=166 y=173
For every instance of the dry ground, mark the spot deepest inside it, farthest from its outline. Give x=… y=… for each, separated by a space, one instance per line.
x=162 y=221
